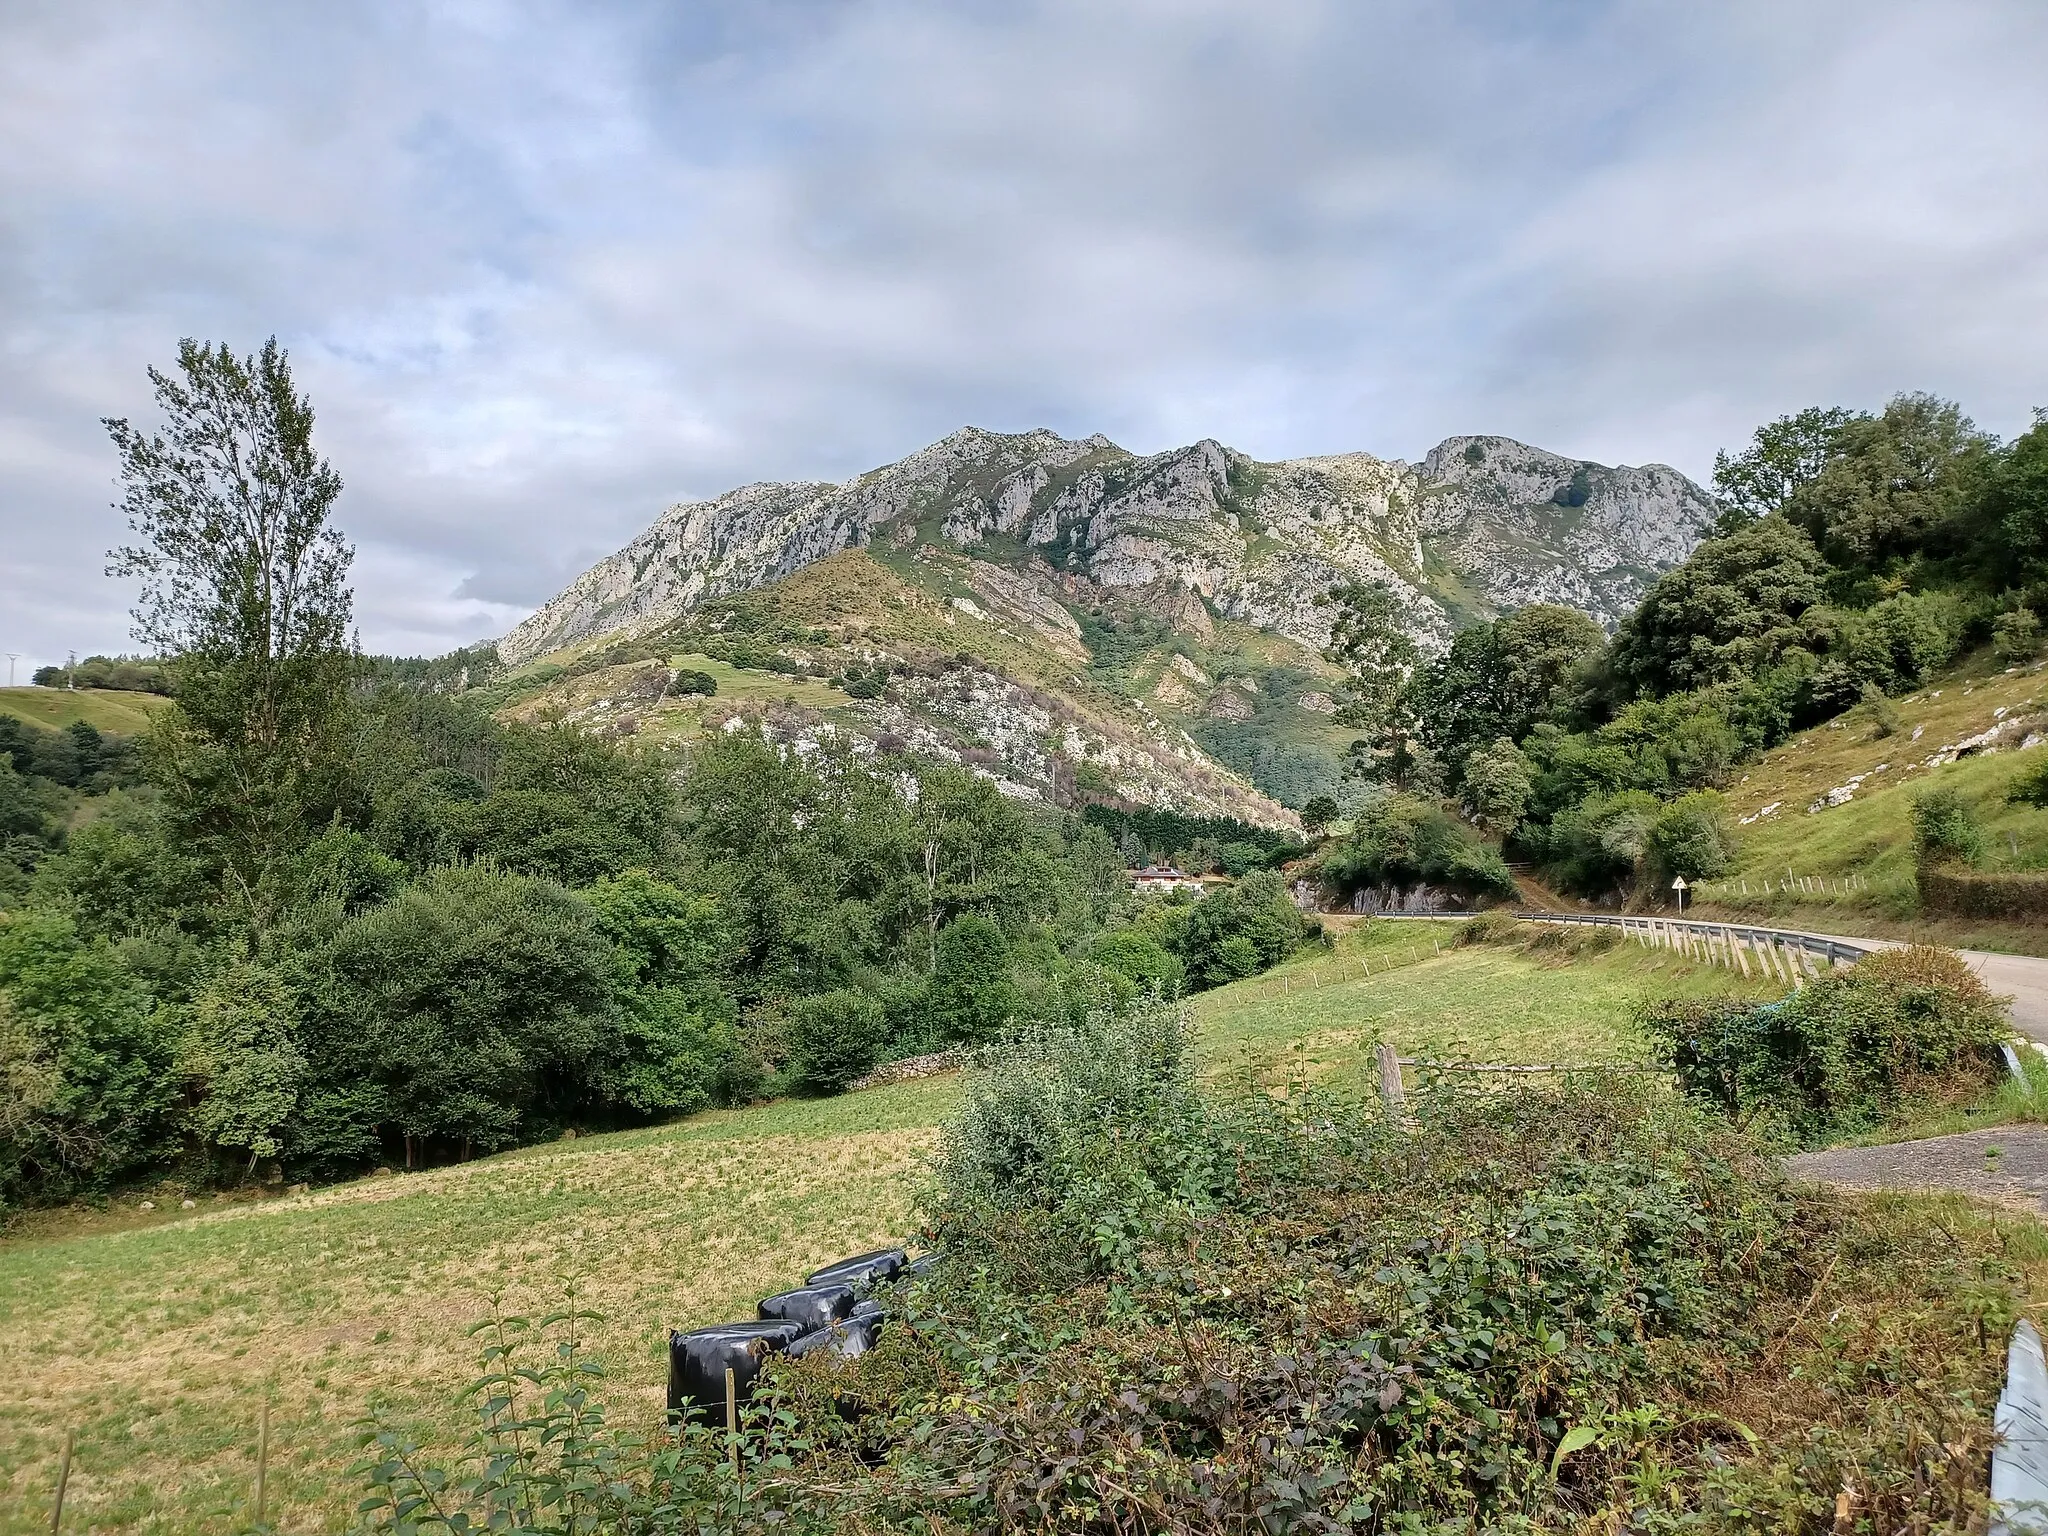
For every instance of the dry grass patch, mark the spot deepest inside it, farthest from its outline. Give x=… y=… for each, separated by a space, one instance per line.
x=159 y=1343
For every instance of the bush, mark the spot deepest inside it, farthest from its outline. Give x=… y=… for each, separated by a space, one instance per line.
x=1691 y=838
x=87 y=1090
x=471 y=1010
x=1140 y=959
x=2016 y=636
x=1238 y=931
x=1399 y=841
x=1945 y=829
x=832 y=1040
x=690 y=682
x=2019 y=896
x=1495 y=927
x=1069 y=1144
x=1854 y=1049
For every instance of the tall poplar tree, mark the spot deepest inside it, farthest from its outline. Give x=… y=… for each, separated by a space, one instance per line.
x=244 y=591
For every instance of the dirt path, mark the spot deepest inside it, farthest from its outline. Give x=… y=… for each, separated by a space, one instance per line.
x=2008 y=1165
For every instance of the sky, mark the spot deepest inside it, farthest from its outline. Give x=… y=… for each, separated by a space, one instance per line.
x=546 y=268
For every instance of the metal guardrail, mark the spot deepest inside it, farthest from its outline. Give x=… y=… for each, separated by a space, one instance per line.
x=1834 y=951
x=2019 y=1465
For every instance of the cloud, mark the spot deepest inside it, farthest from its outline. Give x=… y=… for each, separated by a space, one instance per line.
x=546 y=267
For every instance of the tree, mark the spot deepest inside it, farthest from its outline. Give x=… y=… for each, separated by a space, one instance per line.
x=244 y=1060
x=1731 y=608
x=1498 y=680
x=1497 y=786
x=86 y=1090
x=2018 y=497
x=1782 y=456
x=1317 y=815
x=971 y=994
x=244 y=587
x=1367 y=640
x=1902 y=483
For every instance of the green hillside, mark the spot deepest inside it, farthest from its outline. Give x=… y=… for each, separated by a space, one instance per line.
x=107 y=709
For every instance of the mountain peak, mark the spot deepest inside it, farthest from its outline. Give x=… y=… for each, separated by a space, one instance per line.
x=1482 y=524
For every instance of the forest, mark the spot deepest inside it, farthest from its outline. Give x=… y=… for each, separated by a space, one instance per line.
x=1857 y=555
x=329 y=913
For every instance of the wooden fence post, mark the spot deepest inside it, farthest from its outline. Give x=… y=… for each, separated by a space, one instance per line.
x=1390 y=1079
x=262 y=1460
x=63 y=1477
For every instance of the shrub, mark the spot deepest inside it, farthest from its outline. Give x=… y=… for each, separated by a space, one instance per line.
x=1494 y=927
x=2016 y=636
x=1069 y=1142
x=1691 y=838
x=1139 y=958
x=690 y=682
x=1854 y=1049
x=1238 y=931
x=833 y=1039
x=1400 y=841
x=87 y=1090
x=1945 y=829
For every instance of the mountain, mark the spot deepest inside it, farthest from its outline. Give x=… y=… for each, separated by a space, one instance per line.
x=1481 y=525
x=1078 y=620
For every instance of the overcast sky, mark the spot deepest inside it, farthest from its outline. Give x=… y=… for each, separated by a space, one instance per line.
x=547 y=268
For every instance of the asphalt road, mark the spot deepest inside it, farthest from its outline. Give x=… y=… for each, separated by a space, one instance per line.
x=2023 y=978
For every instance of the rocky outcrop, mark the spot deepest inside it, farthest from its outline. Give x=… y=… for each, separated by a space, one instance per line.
x=1481 y=522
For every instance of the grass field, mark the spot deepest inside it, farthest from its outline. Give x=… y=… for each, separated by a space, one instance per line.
x=157 y=1336
x=1867 y=841
x=108 y=709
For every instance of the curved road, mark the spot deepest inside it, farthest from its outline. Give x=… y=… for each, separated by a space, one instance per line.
x=2023 y=978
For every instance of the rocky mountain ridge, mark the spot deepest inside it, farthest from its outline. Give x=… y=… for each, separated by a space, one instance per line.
x=1480 y=525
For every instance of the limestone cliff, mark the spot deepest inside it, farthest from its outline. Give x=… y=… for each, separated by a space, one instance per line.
x=1480 y=525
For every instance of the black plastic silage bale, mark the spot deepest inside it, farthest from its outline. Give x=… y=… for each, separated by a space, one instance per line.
x=699 y=1359
x=863 y=1270
x=855 y=1336
x=813 y=1306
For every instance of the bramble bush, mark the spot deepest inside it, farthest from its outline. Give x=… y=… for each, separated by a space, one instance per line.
x=1903 y=1028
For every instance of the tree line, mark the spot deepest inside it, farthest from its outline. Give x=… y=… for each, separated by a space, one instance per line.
x=1857 y=554
x=329 y=913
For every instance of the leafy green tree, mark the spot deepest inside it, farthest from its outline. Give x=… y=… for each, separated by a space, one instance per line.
x=1731 y=608
x=1783 y=456
x=2016 y=495
x=467 y=1009
x=1499 y=680
x=85 y=1064
x=244 y=587
x=242 y=1060
x=570 y=806
x=1895 y=485
x=972 y=997
x=833 y=1039
x=1368 y=640
x=1497 y=786
x=1317 y=815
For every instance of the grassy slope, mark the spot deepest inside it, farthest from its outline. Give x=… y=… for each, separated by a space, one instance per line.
x=155 y=1335
x=1871 y=836
x=108 y=709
